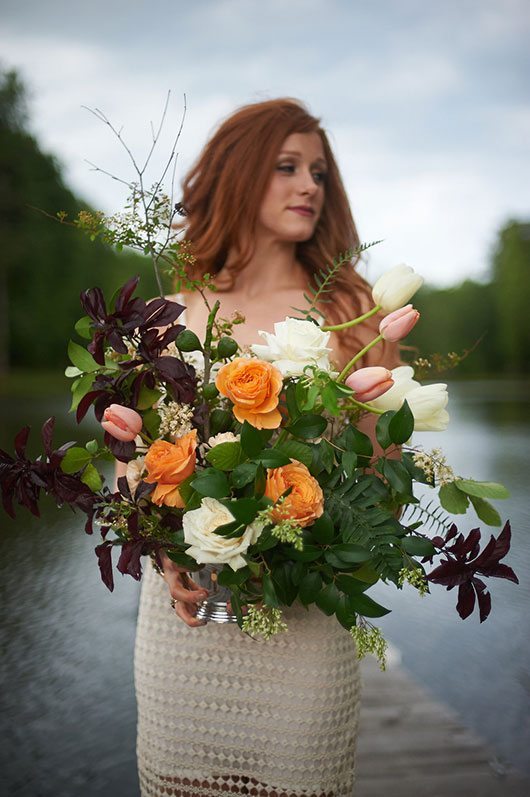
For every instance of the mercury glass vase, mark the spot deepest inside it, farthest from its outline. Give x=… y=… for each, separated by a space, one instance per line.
x=214 y=608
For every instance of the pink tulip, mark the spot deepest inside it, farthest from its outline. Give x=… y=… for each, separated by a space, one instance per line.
x=121 y=422
x=369 y=383
x=398 y=324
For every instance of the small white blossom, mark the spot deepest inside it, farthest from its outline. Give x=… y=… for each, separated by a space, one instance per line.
x=263 y=621
x=175 y=419
x=223 y=437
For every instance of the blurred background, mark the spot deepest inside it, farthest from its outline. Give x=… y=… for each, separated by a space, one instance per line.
x=428 y=111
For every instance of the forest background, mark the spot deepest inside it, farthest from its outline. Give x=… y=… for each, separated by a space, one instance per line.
x=44 y=266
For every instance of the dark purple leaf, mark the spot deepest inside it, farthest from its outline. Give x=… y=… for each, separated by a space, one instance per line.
x=484 y=599
x=466 y=600
x=104 y=555
x=129 y=561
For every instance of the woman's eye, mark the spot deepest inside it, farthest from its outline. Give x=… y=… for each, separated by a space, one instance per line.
x=319 y=177
x=286 y=167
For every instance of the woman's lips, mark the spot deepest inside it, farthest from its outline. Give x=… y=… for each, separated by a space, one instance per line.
x=303 y=211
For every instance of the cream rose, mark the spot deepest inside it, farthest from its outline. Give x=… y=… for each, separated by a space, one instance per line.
x=207 y=547
x=223 y=437
x=294 y=344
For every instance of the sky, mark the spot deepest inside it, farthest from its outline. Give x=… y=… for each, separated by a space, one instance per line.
x=426 y=105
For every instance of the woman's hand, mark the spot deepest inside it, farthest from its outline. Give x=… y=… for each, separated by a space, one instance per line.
x=184 y=591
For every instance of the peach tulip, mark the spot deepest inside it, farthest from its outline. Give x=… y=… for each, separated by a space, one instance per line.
x=121 y=422
x=369 y=383
x=397 y=325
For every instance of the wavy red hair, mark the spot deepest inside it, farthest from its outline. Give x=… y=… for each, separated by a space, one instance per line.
x=222 y=195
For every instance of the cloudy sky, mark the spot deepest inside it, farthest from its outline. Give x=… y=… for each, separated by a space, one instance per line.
x=427 y=105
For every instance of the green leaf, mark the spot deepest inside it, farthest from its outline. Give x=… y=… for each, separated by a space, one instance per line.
x=92 y=478
x=308 y=426
x=82 y=358
x=225 y=456
x=251 y=440
x=401 y=426
x=309 y=553
x=329 y=398
x=310 y=585
x=147 y=397
x=350 y=585
x=82 y=327
x=367 y=573
x=72 y=372
x=296 y=450
x=272 y=458
x=486 y=512
x=349 y=462
x=212 y=483
x=75 y=459
x=326 y=455
x=243 y=474
x=92 y=447
x=351 y=552
x=363 y=604
x=360 y=444
x=228 y=577
x=80 y=388
x=151 y=420
x=323 y=529
x=269 y=593
x=292 y=404
x=482 y=489
x=397 y=476
x=382 y=432
x=244 y=510
x=328 y=599
x=418 y=546
x=312 y=395
x=452 y=499
x=260 y=481
x=220 y=421
x=182 y=559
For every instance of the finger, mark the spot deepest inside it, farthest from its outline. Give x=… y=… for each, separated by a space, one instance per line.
x=185 y=612
x=180 y=592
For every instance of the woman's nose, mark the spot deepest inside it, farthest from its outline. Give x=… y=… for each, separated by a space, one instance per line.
x=307 y=183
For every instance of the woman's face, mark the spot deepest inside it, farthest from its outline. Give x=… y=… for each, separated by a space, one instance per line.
x=293 y=201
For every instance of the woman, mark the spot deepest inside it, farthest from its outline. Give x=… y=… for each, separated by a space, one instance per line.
x=218 y=711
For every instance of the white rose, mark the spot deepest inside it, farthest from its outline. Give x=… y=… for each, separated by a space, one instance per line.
x=394 y=289
x=134 y=473
x=294 y=344
x=207 y=547
x=223 y=437
x=427 y=403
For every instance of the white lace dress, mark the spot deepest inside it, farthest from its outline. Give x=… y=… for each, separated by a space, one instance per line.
x=220 y=712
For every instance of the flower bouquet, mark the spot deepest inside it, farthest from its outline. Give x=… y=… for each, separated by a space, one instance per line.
x=253 y=462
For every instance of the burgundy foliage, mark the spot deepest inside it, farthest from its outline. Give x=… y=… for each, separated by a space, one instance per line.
x=464 y=563
x=22 y=479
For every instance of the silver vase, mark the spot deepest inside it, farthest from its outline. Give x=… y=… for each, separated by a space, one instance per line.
x=214 y=608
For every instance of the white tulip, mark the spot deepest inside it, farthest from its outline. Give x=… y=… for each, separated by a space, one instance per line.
x=294 y=344
x=427 y=402
x=403 y=384
x=394 y=289
x=207 y=547
x=223 y=437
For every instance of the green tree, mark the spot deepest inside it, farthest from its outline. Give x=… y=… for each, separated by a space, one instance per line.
x=44 y=265
x=511 y=276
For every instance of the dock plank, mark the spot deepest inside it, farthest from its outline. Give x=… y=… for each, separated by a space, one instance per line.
x=411 y=745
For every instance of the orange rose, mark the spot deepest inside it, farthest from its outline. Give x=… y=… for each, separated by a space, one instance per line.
x=167 y=465
x=254 y=387
x=305 y=502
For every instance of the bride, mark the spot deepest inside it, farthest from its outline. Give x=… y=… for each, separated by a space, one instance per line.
x=218 y=711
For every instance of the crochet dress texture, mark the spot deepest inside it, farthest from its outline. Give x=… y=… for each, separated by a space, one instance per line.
x=220 y=712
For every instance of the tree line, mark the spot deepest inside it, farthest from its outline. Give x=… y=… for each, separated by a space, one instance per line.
x=45 y=265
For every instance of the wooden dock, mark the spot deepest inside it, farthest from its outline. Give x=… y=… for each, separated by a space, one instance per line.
x=410 y=745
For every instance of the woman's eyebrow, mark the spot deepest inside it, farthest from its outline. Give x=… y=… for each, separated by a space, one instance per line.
x=299 y=155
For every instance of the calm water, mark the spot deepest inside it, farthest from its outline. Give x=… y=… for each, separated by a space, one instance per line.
x=68 y=713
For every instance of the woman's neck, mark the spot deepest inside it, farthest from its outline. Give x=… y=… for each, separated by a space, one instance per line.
x=272 y=267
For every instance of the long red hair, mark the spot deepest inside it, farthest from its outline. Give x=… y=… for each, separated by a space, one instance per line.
x=222 y=195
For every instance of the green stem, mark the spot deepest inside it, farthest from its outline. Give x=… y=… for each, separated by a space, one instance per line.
x=367 y=407
x=341 y=377
x=207 y=348
x=281 y=437
x=353 y=322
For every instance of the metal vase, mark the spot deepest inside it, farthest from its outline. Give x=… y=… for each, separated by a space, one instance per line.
x=214 y=608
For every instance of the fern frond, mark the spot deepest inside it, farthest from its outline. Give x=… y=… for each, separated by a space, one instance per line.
x=431 y=517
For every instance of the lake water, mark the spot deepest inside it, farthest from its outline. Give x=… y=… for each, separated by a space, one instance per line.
x=68 y=713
